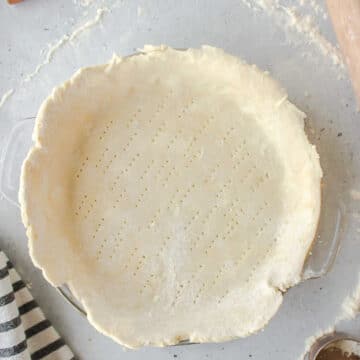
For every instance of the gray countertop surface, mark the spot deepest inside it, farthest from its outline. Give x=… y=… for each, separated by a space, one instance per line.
x=44 y=42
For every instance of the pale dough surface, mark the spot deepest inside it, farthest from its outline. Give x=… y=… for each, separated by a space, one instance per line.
x=175 y=192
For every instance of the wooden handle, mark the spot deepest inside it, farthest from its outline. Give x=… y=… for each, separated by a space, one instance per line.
x=345 y=15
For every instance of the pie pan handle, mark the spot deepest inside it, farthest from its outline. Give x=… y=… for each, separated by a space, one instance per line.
x=326 y=243
x=12 y=156
x=70 y=298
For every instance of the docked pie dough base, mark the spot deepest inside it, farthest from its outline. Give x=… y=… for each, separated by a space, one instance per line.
x=175 y=192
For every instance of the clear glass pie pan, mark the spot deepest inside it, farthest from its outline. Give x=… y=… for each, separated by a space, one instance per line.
x=318 y=262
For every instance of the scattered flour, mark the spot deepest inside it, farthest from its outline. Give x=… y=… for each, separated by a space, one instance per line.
x=305 y=25
x=5 y=97
x=84 y=3
x=293 y=19
x=53 y=48
x=140 y=11
x=350 y=307
x=315 y=6
x=356 y=215
x=355 y=194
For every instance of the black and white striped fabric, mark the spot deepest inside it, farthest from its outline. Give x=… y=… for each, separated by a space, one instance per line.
x=24 y=332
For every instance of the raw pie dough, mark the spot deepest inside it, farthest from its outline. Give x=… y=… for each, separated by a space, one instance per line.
x=175 y=192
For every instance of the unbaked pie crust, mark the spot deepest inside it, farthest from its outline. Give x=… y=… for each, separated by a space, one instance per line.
x=174 y=192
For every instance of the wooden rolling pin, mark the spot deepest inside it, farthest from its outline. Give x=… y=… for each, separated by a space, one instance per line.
x=345 y=15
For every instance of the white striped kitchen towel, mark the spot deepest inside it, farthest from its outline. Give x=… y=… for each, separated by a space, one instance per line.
x=25 y=333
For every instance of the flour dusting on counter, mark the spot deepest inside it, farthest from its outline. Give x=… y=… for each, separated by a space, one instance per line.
x=349 y=310
x=5 y=97
x=351 y=305
x=294 y=19
x=355 y=194
x=84 y=2
x=315 y=6
x=140 y=10
x=53 y=48
x=306 y=25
